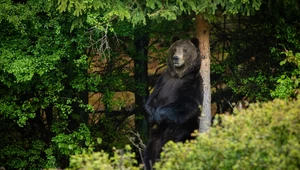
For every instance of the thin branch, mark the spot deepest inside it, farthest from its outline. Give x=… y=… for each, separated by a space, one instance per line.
x=140 y=145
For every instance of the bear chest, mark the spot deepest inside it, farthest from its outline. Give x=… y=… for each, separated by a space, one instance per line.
x=172 y=89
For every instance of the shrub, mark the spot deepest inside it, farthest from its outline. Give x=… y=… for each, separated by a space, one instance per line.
x=265 y=136
x=122 y=159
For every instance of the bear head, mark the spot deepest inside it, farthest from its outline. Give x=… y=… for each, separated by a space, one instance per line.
x=183 y=57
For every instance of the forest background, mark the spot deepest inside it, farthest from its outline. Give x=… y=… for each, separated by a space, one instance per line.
x=75 y=74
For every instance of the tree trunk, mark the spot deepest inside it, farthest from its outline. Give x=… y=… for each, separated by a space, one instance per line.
x=141 y=79
x=202 y=31
x=84 y=96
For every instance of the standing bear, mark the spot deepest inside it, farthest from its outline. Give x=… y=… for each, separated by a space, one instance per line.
x=174 y=105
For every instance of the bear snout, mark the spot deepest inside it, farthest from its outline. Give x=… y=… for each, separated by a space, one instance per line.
x=175 y=58
x=178 y=61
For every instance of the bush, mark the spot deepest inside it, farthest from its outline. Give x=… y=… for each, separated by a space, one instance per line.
x=265 y=136
x=122 y=159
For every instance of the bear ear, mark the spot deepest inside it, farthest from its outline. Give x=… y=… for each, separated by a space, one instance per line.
x=195 y=41
x=175 y=38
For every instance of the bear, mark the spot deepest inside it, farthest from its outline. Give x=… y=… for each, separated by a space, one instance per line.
x=174 y=106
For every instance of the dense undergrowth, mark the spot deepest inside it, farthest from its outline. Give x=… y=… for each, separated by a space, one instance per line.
x=265 y=136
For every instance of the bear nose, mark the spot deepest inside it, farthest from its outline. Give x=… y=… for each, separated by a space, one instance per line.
x=175 y=58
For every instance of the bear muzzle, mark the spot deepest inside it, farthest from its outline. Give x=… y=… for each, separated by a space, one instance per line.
x=177 y=61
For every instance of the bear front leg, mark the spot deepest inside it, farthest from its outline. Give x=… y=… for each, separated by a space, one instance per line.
x=177 y=112
x=151 y=107
x=150 y=113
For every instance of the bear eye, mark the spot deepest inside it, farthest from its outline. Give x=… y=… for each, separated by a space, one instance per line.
x=174 y=49
x=185 y=50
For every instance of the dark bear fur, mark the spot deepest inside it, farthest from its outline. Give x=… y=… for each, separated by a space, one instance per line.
x=173 y=107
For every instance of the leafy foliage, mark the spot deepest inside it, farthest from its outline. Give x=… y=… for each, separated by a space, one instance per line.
x=76 y=142
x=138 y=12
x=45 y=76
x=265 y=136
x=43 y=84
x=55 y=53
x=256 y=54
x=288 y=83
x=122 y=159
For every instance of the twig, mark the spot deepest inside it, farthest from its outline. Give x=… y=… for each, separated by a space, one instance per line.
x=140 y=145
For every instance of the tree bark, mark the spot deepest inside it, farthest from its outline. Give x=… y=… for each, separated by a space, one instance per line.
x=141 y=79
x=202 y=31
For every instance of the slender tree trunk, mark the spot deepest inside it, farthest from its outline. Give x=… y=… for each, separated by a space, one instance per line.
x=141 y=79
x=203 y=36
x=84 y=96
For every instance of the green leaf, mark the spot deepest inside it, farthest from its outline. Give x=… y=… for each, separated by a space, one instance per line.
x=99 y=140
